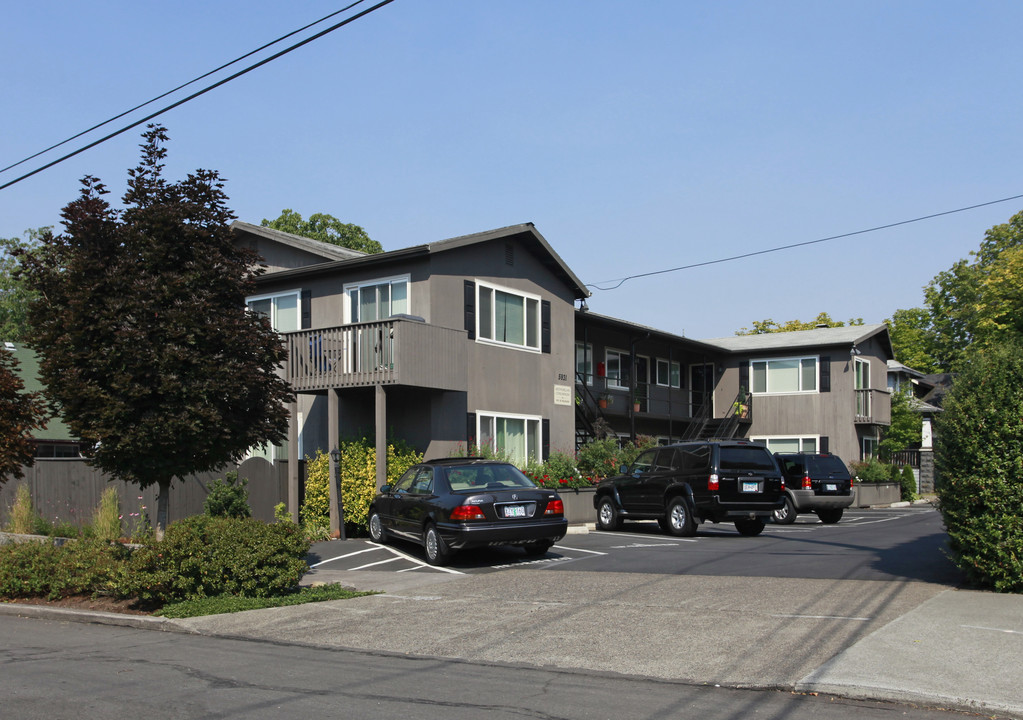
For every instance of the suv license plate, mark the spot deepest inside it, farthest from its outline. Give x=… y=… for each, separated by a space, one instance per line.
x=515 y=511
x=750 y=487
x=831 y=487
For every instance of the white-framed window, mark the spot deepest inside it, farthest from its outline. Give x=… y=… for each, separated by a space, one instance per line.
x=869 y=447
x=862 y=380
x=282 y=309
x=584 y=363
x=784 y=375
x=669 y=373
x=378 y=299
x=617 y=368
x=517 y=436
x=805 y=444
x=507 y=317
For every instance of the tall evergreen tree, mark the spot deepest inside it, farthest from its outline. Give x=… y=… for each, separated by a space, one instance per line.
x=144 y=339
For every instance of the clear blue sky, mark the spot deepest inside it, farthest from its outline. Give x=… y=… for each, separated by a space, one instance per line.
x=636 y=136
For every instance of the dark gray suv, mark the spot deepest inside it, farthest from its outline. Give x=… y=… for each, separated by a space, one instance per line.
x=683 y=485
x=817 y=483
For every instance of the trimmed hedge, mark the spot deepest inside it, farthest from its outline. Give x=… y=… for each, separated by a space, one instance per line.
x=979 y=456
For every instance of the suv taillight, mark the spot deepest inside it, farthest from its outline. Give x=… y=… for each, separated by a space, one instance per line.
x=713 y=483
x=806 y=482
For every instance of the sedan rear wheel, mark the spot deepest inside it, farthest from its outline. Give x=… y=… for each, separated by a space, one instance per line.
x=540 y=547
x=750 y=528
x=437 y=552
x=785 y=515
x=376 y=528
x=607 y=515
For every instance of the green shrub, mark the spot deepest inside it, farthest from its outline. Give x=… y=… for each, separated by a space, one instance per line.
x=358 y=480
x=78 y=567
x=979 y=457
x=228 y=497
x=106 y=520
x=873 y=470
x=908 y=482
x=558 y=472
x=205 y=556
x=603 y=458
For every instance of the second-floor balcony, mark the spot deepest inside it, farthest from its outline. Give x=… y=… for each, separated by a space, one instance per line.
x=397 y=351
x=873 y=407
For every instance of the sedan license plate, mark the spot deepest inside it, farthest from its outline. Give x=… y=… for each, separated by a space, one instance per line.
x=750 y=487
x=831 y=487
x=515 y=511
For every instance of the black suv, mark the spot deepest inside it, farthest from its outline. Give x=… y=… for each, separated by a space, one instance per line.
x=814 y=483
x=689 y=483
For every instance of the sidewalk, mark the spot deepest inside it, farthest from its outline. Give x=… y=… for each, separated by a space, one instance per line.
x=908 y=642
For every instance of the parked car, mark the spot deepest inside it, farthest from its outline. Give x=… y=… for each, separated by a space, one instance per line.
x=451 y=504
x=683 y=485
x=818 y=483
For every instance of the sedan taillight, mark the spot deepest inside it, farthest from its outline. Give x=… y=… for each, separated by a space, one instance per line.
x=467 y=512
x=555 y=507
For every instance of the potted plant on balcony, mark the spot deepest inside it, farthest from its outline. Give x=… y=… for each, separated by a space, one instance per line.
x=636 y=402
x=604 y=400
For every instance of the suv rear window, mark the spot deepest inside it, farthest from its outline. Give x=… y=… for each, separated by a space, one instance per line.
x=825 y=464
x=746 y=458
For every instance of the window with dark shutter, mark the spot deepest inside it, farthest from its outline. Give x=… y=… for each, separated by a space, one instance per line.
x=470 y=310
x=470 y=431
x=307 y=309
x=545 y=440
x=825 y=446
x=545 y=326
x=825 y=371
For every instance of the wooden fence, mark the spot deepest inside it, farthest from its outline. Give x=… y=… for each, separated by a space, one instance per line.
x=69 y=490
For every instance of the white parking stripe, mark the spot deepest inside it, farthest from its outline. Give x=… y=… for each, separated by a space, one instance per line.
x=342 y=557
x=379 y=562
x=416 y=560
x=1001 y=630
x=592 y=552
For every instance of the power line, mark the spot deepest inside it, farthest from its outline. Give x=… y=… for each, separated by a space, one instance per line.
x=205 y=90
x=624 y=280
x=179 y=87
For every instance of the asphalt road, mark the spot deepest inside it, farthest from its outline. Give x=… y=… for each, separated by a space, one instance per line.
x=62 y=671
x=904 y=544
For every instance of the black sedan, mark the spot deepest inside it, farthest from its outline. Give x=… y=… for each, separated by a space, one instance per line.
x=455 y=503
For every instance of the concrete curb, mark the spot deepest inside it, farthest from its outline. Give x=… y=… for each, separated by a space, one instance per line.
x=96 y=617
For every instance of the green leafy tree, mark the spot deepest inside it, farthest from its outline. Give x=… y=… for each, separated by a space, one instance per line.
x=976 y=301
x=20 y=414
x=14 y=294
x=905 y=428
x=142 y=331
x=913 y=339
x=325 y=228
x=762 y=327
x=979 y=456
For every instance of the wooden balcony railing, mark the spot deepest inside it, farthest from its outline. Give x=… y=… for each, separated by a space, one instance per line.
x=873 y=407
x=388 y=352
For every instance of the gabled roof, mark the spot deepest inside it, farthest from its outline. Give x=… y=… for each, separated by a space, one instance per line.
x=583 y=315
x=325 y=250
x=525 y=233
x=846 y=336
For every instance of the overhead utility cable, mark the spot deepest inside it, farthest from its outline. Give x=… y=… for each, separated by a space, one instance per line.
x=181 y=87
x=205 y=90
x=624 y=280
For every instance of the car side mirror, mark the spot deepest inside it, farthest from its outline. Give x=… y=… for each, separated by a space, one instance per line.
x=385 y=489
x=625 y=470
